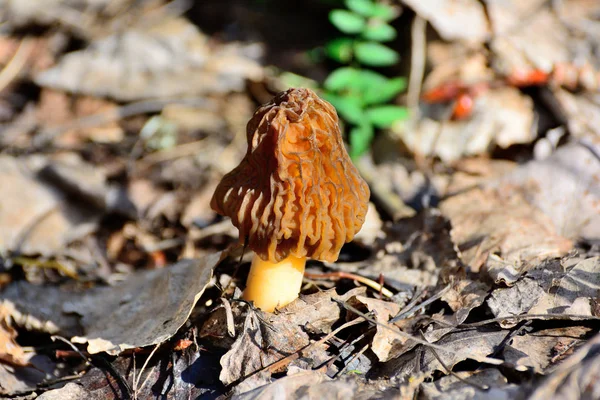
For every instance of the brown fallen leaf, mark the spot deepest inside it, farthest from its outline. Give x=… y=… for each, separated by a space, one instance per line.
x=564 y=186
x=268 y=343
x=302 y=384
x=171 y=58
x=454 y=19
x=493 y=221
x=10 y=352
x=468 y=386
x=116 y=318
x=575 y=378
x=47 y=204
x=536 y=350
x=461 y=345
x=501 y=117
x=384 y=339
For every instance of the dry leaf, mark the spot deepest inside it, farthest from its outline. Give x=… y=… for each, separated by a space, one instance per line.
x=454 y=19
x=501 y=221
x=564 y=285
x=303 y=384
x=384 y=339
x=117 y=318
x=169 y=59
x=452 y=388
x=516 y=300
x=71 y=391
x=537 y=350
x=565 y=186
x=502 y=117
x=461 y=346
x=10 y=352
x=463 y=296
x=38 y=214
x=267 y=338
x=575 y=378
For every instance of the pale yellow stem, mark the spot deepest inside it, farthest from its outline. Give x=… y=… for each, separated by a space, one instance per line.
x=274 y=285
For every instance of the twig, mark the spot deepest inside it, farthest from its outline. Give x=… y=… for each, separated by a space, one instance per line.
x=286 y=360
x=229 y=317
x=88 y=361
x=354 y=357
x=417 y=64
x=346 y=275
x=179 y=151
x=404 y=314
x=525 y=317
x=16 y=63
x=137 y=381
x=129 y=110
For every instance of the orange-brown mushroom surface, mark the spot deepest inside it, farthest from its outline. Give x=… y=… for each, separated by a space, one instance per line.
x=296 y=192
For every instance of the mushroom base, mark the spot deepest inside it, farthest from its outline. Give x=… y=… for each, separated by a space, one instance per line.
x=274 y=285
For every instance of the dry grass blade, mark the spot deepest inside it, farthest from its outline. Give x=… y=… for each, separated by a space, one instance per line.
x=16 y=63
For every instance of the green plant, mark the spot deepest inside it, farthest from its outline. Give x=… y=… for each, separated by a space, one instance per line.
x=358 y=93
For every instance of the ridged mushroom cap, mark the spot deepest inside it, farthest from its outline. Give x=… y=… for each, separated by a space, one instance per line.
x=296 y=192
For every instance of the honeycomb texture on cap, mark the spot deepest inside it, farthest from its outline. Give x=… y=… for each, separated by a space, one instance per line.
x=296 y=192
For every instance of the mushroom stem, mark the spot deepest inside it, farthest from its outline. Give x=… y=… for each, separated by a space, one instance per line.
x=274 y=285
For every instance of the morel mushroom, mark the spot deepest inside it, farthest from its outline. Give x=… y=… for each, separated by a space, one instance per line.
x=296 y=194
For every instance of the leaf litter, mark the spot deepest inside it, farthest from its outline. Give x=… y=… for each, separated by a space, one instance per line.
x=113 y=279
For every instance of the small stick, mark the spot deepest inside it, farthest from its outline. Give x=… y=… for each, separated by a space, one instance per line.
x=346 y=275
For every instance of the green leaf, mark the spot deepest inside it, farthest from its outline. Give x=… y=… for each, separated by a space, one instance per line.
x=379 y=32
x=375 y=54
x=362 y=7
x=383 y=90
x=340 y=49
x=342 y=78
x=368 y=8
x=347 y=21
x=385 y=116
x=360 y=138
x=349 y=107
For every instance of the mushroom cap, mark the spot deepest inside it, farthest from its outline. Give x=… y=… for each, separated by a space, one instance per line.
x=296 y=192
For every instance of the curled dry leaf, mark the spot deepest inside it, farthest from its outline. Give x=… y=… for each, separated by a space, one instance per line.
x=10 y=352
x=463 y=296
x=553 y=287
x=168 y=59
x=384 y=339
x=116 y=318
